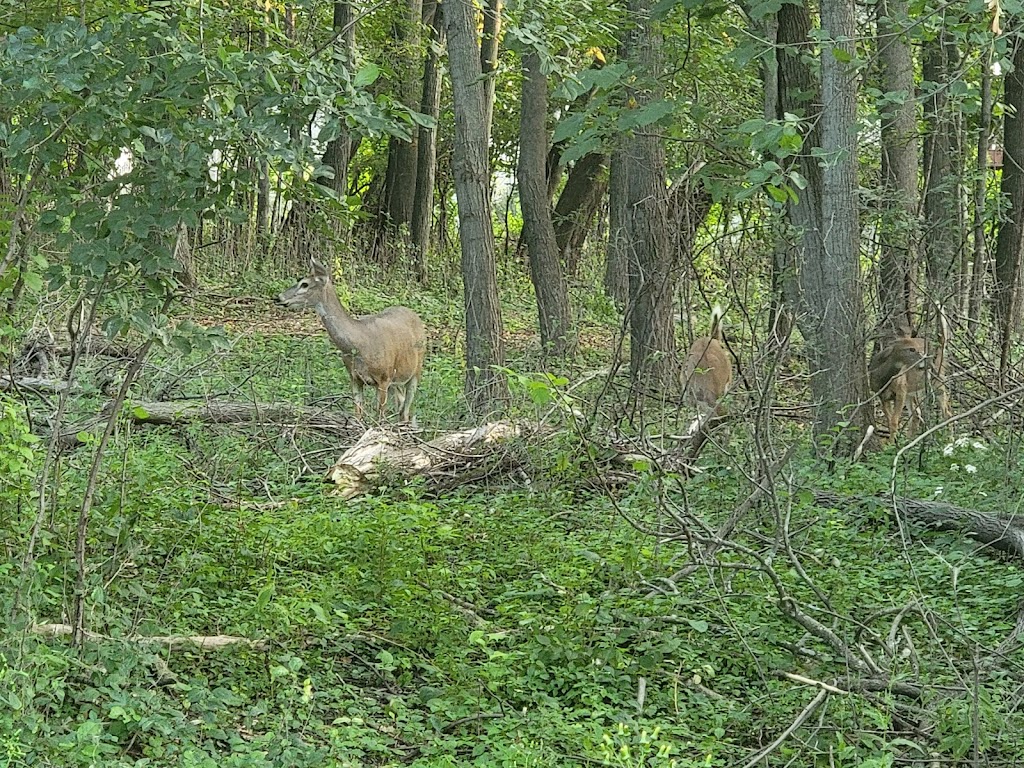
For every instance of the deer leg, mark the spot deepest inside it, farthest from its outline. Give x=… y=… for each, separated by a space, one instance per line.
x=357 y=395
x=382 y=398
x=408 y=393
x=898 y=402
x=916 y=423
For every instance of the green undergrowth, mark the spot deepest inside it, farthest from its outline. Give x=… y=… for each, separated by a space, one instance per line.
x=531 y=619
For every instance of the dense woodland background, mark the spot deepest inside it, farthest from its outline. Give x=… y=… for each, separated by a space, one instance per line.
x=562 y=191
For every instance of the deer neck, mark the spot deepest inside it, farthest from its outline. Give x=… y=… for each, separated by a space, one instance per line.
x=345 y=331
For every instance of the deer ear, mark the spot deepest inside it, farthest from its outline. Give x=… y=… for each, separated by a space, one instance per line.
x=318 y=268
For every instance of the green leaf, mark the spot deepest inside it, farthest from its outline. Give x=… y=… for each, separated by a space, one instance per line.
x=698 y=625
x=366 y=76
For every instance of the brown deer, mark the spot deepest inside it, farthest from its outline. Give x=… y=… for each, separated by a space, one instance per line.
x=898 y=372
x=707 y=372
x=383 y=350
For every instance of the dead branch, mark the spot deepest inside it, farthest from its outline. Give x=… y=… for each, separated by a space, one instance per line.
x=171 y=642
x=35 y=384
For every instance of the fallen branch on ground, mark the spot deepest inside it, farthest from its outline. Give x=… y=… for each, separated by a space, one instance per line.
x=171 y=642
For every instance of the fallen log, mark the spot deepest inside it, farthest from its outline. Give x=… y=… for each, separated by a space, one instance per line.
x=226 y=412
x=1002 y=532
x=36 y=384
x=384 y=449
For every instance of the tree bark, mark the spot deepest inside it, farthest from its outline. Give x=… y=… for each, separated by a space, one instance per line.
x=941 y=179
x=652 y=359
x=426 y=162
x=538 y=230
x=489 y=42
x=980 y=248
x=1011 y=226
x=616 y=279
x=338 y=152
x=832 y=286
x=899 y=168
x=577 y=206
x=403 y=155
x=486 y=388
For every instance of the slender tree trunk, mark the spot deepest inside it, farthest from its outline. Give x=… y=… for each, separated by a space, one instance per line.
x=338 y=152
x=899 y=167
x=489 y=43
x=980 y=247
x=941 y=179
x=652 y=359
x=426 y=163
x=1011 y=226
x=400 y=181
x=486 y=389
x=577 y=206
x=616 y=277
x=538 y=230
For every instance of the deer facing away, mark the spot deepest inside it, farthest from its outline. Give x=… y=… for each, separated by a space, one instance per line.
x=383 y=350
x=897 y=373
x=707 y=371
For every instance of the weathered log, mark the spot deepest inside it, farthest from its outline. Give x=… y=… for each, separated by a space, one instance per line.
x=224 y=412
x=385 y=449
x=38 y=384
x=1002 y=532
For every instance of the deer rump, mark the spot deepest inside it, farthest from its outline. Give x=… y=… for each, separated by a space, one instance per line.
x=707 y=372
x=897 y=373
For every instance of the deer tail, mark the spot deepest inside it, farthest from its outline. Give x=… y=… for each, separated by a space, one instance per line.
x=716 y=322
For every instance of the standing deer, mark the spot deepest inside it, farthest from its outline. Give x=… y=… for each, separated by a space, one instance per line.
x=707 y=372
x=381 y=350
x=898 y=371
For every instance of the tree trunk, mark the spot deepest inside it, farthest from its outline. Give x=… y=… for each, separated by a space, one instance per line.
x=899 y=168
x=831 y=287
x=652 y=357
x=1011 y=227
x=338 y=152
x=824 y=219
x=577 y=206
x=489 y=41
x=400 y=181
x=538 y=231
x=486 y=388
x=941 y=177
x=616 y=278
x=980 y=247
x=426 y=163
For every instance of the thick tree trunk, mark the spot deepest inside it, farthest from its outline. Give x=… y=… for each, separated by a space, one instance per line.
x=1011 y=225
x=486 y=388
x=426 y=163
x=538 y=231
x=899 y=168
x=577 y=206
x=832 y=287
x=652 y=357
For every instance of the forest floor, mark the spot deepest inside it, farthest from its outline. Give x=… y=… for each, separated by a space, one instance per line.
x=564 y=610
